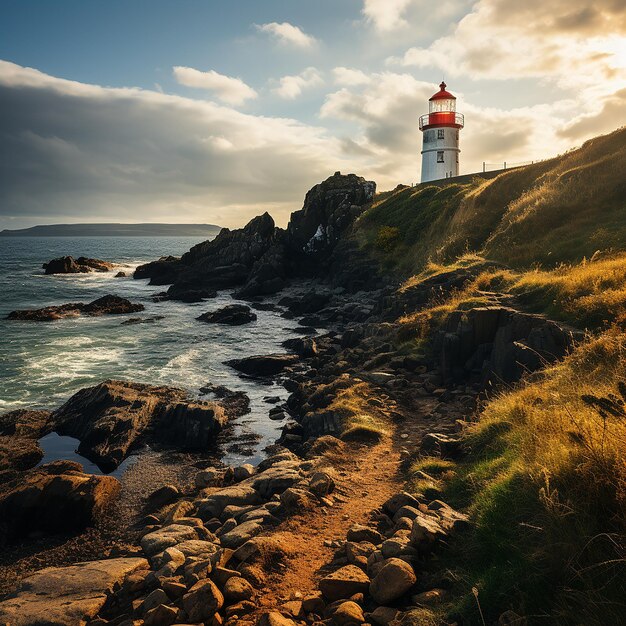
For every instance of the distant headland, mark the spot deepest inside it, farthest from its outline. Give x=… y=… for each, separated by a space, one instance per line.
x=114 y=230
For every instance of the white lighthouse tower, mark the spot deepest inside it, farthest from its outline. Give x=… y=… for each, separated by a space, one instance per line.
x=441 y=128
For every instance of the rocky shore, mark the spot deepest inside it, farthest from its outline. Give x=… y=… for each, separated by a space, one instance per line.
x=322 y=530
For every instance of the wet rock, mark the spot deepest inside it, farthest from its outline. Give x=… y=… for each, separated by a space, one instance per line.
x=392 y=581
x=344 y=583
x=66 y=595
x=114 y=417
x=304 y=347
x=56 y=498
x=19 y=434
x=263 y=366
x=164 y=271
x=232 y=315
x=81 y=265
x=106 y=305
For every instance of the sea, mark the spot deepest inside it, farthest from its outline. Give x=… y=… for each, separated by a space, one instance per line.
x=43 y=363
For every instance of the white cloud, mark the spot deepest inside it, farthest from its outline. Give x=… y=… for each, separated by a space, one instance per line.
x=287 y=33
x=350 y=77
x=578 y=44
x=230 y=90
x=386 y=15
x=291 y=87
x=133 y=154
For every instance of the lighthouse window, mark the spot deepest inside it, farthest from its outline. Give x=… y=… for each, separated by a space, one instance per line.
x=440 y=133
x=429 y=136
x=440 y=156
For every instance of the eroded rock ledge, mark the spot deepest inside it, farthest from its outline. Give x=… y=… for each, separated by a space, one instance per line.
x=81 y=265
x=106 y=305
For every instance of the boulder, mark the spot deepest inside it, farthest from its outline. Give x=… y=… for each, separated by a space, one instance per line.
x=358 y=533
x=106 y=305
x=60 y=596
x=166 y=537
x=164 y=271
x=348 y=613
x=239 y=535
x=237 y=589
x=392 y=581
x=344 y=583
x=203 y=601
x=274 y=618
x=56 y=498
x=232 y=315
x=114 y=417
x=263 y=366
x=19 y=434
x=81 y=265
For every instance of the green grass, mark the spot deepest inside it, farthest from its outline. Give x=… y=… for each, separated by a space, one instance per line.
x=557 y=211
x=545 y=486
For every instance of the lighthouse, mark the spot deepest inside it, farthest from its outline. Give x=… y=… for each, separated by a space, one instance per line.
x=440 y=139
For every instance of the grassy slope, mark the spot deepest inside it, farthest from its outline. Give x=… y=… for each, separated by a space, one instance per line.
x=560 y=210
x=545 y=479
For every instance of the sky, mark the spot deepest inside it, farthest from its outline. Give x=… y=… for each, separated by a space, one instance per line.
x=213 y=111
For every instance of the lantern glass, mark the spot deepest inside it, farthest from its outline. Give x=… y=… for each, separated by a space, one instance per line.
x=443 y=105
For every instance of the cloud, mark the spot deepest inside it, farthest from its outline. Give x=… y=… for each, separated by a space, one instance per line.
x=287 y=33
x=611 y=113
x=71 y=150
x=230 y=90
x=575 y=42
x=386 y=15
x=291 y=87
x=350 y=77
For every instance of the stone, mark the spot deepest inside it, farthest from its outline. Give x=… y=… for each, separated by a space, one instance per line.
x=162 y=615
x=358 y=533
x=55 y=498
x=348 y=613
x=159 y=540
x=263 y=366
x=241 y=472
x=277 y=478
x=321 y=484
x=242 y=494
x=313 y=603
x=433 y=596
x=207 y=478
x=237 y=589
x=426 y=530
x=162 y=496
x=392 y=581
x=174 y=589
x=203 y=601
x=114 y=417
x=344 y=583
x=274 y=618
x=240 y=534
x=169 y=555
x=383 y=615
x=232 y=315
x=153 y=599
x=106 y=305
x=81 y=265
x=59 y=596
x=397 y=501
x=357 y=553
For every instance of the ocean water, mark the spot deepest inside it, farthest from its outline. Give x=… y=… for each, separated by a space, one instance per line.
x=43 y=363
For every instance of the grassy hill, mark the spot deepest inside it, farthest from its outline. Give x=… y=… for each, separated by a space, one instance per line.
x=544 y=479
x=555 y=211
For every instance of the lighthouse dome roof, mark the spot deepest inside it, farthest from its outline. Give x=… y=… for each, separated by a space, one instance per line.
x=442 y=94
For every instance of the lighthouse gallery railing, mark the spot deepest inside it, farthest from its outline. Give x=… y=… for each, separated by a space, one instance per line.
x=442 y=117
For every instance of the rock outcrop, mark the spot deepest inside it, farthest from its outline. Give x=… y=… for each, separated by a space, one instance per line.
x=498 y=344
x=259 y=258
x=263 y=366
x=106 y=305
x=62 y=596
x=56 y=498
x=19 y=432
x=232 y=315
x=114 y=417
x=81 y=265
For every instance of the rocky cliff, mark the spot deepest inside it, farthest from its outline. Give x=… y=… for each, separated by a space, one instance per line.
x=259 y=258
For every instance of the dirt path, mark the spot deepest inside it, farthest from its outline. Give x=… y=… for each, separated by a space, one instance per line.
x=366 y=476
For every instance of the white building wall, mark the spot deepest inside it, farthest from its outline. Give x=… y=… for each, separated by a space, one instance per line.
x=435 y=148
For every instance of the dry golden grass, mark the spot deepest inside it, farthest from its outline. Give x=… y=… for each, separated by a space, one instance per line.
x=361 y=411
